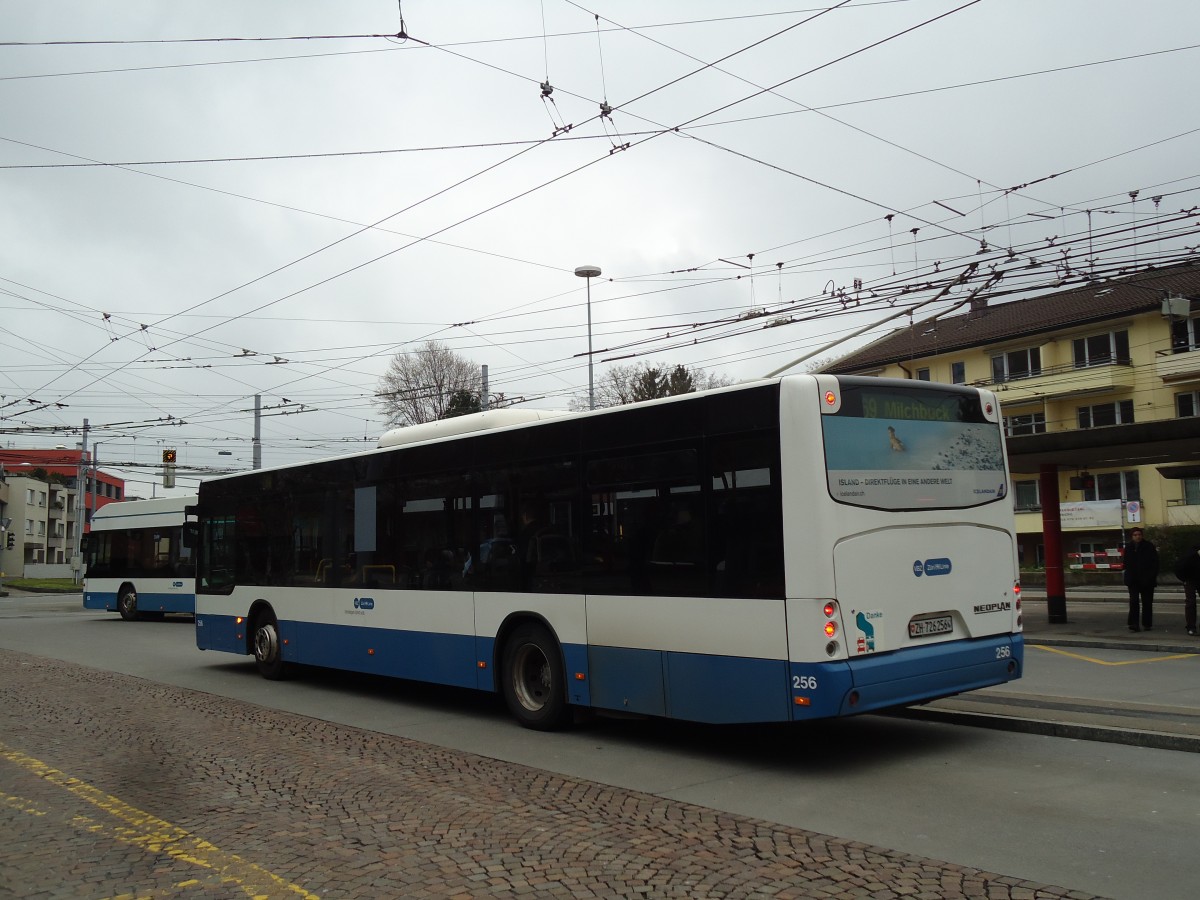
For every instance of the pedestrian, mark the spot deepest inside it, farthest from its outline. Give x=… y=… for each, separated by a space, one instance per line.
x=1141 y=575
x=1187 y=570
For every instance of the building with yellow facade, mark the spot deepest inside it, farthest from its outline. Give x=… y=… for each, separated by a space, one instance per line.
x=1107 y=355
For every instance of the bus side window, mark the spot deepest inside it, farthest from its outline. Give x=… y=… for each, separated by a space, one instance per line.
x=647 y=529
x=745 y=518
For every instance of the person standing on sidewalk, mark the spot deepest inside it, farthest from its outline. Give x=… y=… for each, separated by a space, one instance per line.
x=1187 y=570
x=1141 y=575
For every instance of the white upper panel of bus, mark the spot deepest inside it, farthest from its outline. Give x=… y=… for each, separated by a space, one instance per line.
x=493 y=418
x=159 y=512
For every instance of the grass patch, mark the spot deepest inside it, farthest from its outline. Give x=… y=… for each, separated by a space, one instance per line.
x=51 y=585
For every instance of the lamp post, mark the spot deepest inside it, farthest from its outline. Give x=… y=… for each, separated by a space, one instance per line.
x=589 y=272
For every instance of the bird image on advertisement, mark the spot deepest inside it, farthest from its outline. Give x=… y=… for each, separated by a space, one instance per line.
x=896 y=443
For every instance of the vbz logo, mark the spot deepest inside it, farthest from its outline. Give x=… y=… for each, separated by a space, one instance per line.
x=364 y=603
x=932 y=567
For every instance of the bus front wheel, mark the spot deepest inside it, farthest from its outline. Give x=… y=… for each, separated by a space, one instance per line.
x=127 y=603
x=533 y=679
x=268 y=654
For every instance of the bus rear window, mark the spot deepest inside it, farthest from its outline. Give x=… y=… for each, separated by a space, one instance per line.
x=897 y=447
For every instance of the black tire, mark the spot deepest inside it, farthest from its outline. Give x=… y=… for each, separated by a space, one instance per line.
x=127 y=603
x=268 y=651
x=533 y=679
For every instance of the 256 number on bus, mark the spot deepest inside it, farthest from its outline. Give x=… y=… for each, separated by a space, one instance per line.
x=804 y=682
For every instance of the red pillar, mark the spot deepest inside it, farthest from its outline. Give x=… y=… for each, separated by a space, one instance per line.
x=1056 y=592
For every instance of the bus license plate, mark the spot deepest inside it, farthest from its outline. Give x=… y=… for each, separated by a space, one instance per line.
x=935 y=625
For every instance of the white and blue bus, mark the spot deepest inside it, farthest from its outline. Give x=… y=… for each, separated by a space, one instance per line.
x=138 y=559
x=788 y=549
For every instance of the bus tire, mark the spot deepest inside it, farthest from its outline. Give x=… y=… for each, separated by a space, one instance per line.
x=127 y=603
x=268 y=651
x=533 y=679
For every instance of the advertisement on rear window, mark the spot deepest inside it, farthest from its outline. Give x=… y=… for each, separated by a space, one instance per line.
x=896 y=463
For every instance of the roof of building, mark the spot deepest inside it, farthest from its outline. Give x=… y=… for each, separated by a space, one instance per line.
x=58 y=461
x=1092 y=302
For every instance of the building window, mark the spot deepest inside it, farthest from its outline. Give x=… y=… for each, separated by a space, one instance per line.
x=922 y=375
x=958 y=373
x=1191 y=491
x=1185 y=335
x=1029 y=423
x=1101 y=349
x=1106 y=414
x=1025 y=496
x=29 y=527
x=1017 y=364
x=1114 y=486
x=1187 y=404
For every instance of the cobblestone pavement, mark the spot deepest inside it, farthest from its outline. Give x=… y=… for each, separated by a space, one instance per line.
x=115 y=787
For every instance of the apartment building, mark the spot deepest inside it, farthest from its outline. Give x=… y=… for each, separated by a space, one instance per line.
x=1104 y=356
x=40 y=506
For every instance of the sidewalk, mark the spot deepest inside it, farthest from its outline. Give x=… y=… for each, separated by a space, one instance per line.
x=1166 y=716
x=1098 y=617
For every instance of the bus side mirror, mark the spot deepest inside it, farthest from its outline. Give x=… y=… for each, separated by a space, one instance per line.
x=191 y=535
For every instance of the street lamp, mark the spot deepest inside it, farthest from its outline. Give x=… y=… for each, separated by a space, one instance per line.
x=589 y=272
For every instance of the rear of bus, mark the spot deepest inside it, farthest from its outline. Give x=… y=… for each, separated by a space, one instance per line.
x=901 y=569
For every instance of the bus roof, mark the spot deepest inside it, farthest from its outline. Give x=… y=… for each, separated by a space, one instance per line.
x=161 y=511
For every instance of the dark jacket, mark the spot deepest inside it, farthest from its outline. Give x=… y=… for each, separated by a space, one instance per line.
x=1141 y=564
x=1188 y=567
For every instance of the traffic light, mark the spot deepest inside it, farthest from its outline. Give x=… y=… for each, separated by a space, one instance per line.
x=11 y=543
x=169 y=456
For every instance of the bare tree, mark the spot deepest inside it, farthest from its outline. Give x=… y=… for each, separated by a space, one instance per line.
x=644 y=381
x=419 y=386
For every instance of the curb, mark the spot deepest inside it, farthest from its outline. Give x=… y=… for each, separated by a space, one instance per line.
x=1155 y=739
x=44 y=590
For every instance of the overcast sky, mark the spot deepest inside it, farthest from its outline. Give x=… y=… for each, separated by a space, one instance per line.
x=192 y=214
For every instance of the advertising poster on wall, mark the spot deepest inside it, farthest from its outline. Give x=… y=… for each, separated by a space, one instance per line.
x=1090 y=514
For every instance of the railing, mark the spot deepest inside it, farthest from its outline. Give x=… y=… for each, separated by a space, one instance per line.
x=1063 y=381
x=1111 y=559
x=1170 y=364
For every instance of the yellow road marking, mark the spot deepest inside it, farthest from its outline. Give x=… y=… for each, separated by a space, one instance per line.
x=1104 y=662
x=157 y=836
x=20 y=804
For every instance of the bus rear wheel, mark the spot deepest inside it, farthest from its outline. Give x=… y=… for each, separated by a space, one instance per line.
x=127 y=603
x=533 y=679
x=268 y=654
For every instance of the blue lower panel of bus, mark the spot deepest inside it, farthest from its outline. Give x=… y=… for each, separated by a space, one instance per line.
x=692 y=686
x=906 y=676
x=440 y=658
x=222 y=633
x=168 y=603
x=99 y=600
x=422 y=656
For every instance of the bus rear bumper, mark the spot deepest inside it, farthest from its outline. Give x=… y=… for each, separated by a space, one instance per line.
x=900 y=678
